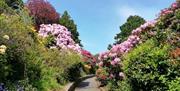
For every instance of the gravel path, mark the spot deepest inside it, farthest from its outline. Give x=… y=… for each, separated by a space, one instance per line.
x=88 y=85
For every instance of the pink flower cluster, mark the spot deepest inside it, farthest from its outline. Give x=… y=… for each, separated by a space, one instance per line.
x=115 y=61
x=169 y=10
x=87 y=54
x=174 y=5
x=125 y=46
x=88 y=57
x=62 y=36
x=166 y=11
x=143 y=27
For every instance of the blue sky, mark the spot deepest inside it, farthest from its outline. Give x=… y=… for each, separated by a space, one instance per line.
x=98 y=21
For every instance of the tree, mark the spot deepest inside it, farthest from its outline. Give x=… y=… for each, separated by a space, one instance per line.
x=66 y=21
x=132 y=23
x=42 y=11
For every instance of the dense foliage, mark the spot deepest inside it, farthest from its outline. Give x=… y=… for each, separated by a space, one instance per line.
x=25 y=62
x=150 y=67
x=24 y=58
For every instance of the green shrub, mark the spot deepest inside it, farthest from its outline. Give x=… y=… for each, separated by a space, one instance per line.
x=174 y=85
x=177 y=14
x=122 y=86
x=29 y=63
x=5 y=68
x=148 y=67
x=73 y=73
x=18 y=44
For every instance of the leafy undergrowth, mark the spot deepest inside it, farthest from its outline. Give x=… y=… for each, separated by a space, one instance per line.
x=25 y=63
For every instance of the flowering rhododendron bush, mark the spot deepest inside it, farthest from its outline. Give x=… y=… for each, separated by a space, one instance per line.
x=145 y=58
x=58 y=36
x=89 y=61
x=110 y=61
x=61 y=37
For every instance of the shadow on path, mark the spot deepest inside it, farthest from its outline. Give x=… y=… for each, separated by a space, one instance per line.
x=83 y=84
x=88 y=85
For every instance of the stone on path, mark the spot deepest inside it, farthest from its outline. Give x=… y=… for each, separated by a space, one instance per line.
x=88 y=85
